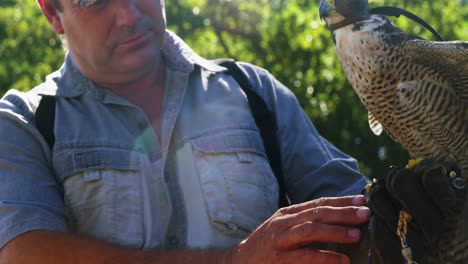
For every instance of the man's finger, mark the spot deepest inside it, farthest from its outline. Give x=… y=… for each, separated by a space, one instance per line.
x=312 y=232
x=355 y=200
x=331 y=215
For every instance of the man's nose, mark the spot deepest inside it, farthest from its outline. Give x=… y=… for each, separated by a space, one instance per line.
x=128 y=12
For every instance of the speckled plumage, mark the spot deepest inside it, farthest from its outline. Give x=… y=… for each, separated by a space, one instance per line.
x=416 y=91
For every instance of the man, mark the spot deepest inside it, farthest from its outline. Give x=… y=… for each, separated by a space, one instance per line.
x=157 y=158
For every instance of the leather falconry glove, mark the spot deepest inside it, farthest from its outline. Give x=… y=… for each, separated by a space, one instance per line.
x=422 y=204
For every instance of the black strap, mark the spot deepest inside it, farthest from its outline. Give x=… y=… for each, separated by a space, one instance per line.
x=396 y=12
x=45 y=117
x=386 y=11
x=266 y=123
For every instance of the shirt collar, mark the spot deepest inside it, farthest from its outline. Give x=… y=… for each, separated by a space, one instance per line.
x=68 y=81
x=179 y=56
x=65 y=82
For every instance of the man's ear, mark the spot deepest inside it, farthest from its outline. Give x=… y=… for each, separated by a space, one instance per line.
x=52 y=15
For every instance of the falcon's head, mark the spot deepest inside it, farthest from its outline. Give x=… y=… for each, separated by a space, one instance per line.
x=338 y=13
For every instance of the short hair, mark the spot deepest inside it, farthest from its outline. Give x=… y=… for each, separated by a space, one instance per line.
x=57 y=4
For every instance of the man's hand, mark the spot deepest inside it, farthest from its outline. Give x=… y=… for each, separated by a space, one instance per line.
x=432 y=198
x=284 y=238
x=287 y=235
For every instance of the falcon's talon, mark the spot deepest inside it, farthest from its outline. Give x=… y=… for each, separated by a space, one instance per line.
x=413 y=163
x=367 y=188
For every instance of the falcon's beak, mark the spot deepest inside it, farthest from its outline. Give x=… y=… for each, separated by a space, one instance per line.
x=326 y=8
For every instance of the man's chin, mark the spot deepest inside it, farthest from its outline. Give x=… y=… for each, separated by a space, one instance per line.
x=136 y=62
x=130 y=72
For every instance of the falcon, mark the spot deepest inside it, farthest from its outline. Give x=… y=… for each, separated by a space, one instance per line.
x=416 y=90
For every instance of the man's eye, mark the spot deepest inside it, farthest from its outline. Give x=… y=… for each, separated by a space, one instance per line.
x=88 y=3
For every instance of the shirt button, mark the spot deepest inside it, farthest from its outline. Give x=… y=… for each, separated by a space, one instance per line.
x=232 y=226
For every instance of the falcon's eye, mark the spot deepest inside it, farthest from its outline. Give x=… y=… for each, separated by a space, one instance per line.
x=331 y=2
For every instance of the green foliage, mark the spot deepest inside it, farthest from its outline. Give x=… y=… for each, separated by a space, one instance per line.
x=29 y=49
x=284 y=36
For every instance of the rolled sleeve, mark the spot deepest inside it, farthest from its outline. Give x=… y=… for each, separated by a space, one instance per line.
x=19 y=228
x=315 y=168
x=30 y=197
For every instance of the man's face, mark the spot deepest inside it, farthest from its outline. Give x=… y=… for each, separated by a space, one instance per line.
x=113 y=37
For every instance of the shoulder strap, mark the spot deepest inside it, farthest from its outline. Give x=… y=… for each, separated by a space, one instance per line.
x=45 y=119
x=265 y=121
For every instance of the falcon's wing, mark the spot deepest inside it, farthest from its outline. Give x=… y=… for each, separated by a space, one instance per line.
x=436 y=93
x=448 y=60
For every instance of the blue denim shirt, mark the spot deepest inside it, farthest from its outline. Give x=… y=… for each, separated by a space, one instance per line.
x=206 y=184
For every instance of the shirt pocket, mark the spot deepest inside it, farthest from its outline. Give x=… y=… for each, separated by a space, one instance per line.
x=239 y=187
x=102 y=189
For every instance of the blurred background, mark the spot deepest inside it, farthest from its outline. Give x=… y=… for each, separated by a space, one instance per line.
x=284 y=36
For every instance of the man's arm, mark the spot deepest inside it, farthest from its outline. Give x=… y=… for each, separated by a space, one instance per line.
x=284 y=238
x=52 y=247
x=31 y=202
